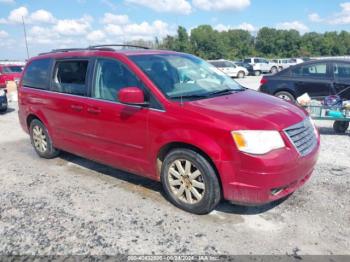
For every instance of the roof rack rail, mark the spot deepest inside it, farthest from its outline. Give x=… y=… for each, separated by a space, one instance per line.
x=93 y=47
x=63 y=50
x=119 y=45
x=67 y=50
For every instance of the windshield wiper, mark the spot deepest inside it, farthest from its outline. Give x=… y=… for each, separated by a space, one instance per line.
x=219 y=92
x=224 y=92
x=189 y=97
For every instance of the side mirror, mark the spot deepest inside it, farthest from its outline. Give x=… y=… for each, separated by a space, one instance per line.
x=132 y=96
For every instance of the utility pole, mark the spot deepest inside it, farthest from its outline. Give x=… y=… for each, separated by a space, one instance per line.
x=25 y=36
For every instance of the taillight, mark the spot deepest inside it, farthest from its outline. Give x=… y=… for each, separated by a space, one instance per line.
x=263 y=81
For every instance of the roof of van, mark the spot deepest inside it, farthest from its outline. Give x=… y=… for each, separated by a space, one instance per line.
x=136 y=50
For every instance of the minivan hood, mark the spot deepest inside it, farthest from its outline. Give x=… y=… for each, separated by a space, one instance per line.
x=250 y=110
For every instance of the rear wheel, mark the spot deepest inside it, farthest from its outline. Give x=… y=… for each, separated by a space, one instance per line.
x=340 y=127
x=274 y=70
x=257 y=73
x=285 y=96
x=41 y=140
x=241 y=74
x=190 y=181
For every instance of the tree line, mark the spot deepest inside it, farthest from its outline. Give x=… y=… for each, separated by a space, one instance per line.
x=208 y=43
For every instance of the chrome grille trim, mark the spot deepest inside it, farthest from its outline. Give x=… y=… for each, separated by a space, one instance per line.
x=302 y=135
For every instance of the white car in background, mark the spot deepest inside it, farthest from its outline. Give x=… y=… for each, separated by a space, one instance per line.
x=230 y=68
x=286 y=62
x=261 y=65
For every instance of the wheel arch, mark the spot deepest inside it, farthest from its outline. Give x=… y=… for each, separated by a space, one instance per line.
x=285 y=89
x=30 y=118
x=165 y=149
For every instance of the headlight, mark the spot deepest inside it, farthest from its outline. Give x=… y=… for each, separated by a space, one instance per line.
x=2 y=92
x=257 y=142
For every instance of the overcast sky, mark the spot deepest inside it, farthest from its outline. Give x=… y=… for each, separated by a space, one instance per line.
x=78 y=23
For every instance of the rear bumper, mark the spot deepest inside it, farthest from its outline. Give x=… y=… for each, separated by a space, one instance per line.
x=268 y=178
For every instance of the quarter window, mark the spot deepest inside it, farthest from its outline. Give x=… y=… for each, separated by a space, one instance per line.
x=37 y=74
x=70 y=77
x=342 y=70
x=110 y=77
x=314 y=70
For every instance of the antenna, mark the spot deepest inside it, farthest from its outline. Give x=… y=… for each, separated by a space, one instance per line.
x=25 y=36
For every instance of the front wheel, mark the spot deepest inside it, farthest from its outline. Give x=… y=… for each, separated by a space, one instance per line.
x=190 y=181
x=41 y=140
x=340 y=127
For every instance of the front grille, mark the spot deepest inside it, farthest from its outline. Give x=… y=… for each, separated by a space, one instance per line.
x=303 y=136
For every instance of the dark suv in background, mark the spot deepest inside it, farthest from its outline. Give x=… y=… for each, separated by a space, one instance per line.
x=3 y=100
x=319 y=79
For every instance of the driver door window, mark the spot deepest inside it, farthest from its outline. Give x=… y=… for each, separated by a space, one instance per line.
x=110 y=77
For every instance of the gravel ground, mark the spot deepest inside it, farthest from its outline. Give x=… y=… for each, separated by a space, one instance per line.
x=70 y=205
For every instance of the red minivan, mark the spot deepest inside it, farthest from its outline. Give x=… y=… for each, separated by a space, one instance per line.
x=171 y=117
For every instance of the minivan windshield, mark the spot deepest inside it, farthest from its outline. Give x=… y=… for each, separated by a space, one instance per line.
x=182 y=76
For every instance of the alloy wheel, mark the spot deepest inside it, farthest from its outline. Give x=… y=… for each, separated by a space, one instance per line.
x=39 y=139
x=186 y=181
x=285 y=97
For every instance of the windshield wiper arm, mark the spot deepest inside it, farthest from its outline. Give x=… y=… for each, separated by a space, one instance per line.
x=188 y=96
x=224 y=91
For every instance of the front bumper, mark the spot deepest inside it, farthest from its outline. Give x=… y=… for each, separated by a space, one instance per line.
x=259 y=180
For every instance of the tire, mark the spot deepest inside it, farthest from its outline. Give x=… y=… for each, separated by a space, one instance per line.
x=241 y=74
x=41 y=140
x=274 y=70
x=285 y=96
x=206 y=188
x=257 y=73
x=340 y=127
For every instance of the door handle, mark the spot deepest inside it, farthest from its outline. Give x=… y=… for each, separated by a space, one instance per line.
x=77 y=108
x=93 y=110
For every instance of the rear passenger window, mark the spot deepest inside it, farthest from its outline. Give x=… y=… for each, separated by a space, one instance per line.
x=37 y=74
x=314 y=70
x=342 y=70
x=70 y=77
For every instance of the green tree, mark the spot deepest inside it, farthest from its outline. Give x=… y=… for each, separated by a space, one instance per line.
x=207 y=42
x=238 y=43
x=182 y=41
